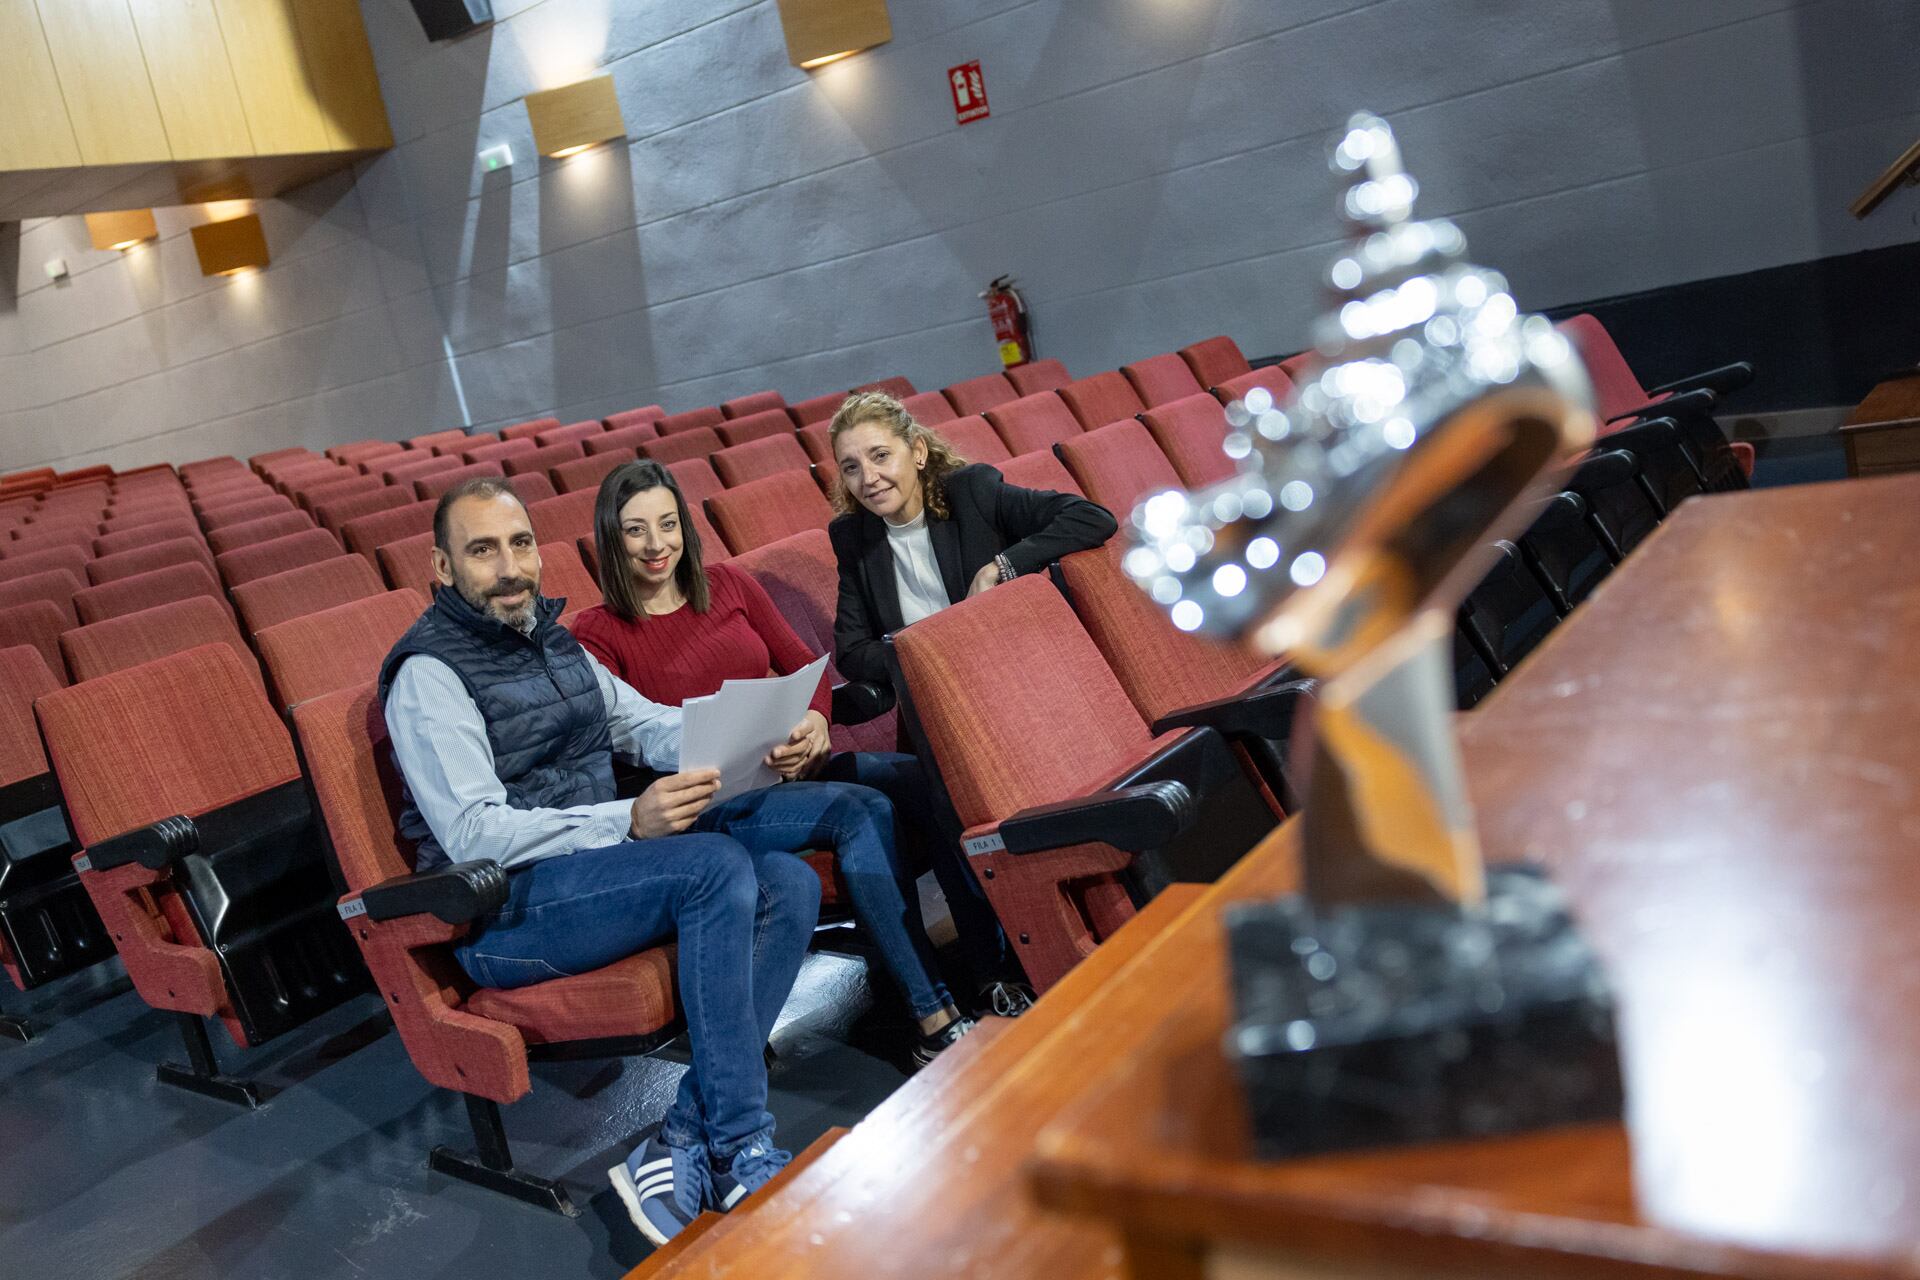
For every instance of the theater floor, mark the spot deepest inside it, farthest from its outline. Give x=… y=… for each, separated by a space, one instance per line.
x=104 y=1173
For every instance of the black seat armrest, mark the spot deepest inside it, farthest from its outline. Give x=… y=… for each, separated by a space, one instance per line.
x=1725 y=380
x=278 y=813
x=1698 y=400
x=858 y=701
x=1266 y=712
x=458 y=893
x=1645 y=435
x=1137 y=818
x=154 y=847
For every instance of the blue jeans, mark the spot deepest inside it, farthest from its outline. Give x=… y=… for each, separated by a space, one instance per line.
x=927 y=842
x=743 y=923
x=857 y=823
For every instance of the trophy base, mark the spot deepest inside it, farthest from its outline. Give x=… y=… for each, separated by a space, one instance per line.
x=1399 y=1023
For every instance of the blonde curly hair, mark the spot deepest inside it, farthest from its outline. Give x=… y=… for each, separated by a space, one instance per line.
x=865 y=408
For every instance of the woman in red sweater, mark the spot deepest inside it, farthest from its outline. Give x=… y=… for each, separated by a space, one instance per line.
x=675 y=629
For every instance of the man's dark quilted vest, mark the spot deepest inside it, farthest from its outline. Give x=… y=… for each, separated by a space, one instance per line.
x=546 y=721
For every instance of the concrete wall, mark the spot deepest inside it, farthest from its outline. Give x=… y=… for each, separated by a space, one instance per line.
x=1151 y=172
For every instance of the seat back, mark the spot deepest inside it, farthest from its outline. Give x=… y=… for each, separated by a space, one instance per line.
x=1034 y=423
x=335 y=512
x=585 y=474
x=540 y=461
x=1117 y=465
x=1508 y=613
x=1192 y=433
x=768 y=509
x=37 y=624
x=221 y=541
x=347 y=486
x=756 y=426
x=1616 y=388
x=977 y=395
x=1272 y=379
x=336 y=647
x=645 y=416
x=760 y=458
x=133 y=638
x=498 y=452
x=145 y=590
x=625 y=441
x=1618 y=508
x=1161 y=379
x=1016 y=702
x=758 y=402
x=271 y=600
x=566 y=518
x=1214 y=361
x=897 y=387
x=1036 y=376
x=429 y=488
x=972 y=437
x=409 y=563
x=70 y=560
x=125 y=537
x=451 y=435
x=24 y=676
x=1668 y=476
x=691 y=420
x=468 y=440
x=367 y=534
x=696 y=479
x=802 y=577
x=693 y=442
x=220 y=517
x=1100 y=399
x=1039 y=471
x=572 y=431
x=1162 y=668
x=277 y=555
x=818 y=409
x=529 y=429
x=57 y=587
x=929 y=408
x=564 y=576
x=158 y=555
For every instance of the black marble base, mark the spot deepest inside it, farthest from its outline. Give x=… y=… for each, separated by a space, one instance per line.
x=1394 y=1024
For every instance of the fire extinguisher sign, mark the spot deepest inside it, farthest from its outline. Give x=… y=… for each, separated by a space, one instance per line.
x=969 y=93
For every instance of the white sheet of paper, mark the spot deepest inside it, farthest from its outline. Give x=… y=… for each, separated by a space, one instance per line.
x=734 y=729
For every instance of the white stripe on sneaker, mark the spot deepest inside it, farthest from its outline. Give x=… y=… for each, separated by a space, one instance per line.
x=660 y=1183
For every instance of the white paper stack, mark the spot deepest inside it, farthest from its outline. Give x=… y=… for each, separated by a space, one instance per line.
x=734 y=729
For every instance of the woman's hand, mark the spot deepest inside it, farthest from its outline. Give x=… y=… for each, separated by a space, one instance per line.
x=670 y=805
x=804 y=751
x=985 y=580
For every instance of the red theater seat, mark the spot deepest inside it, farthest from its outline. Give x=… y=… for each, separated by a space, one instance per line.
x=897 y=387
x=1039 y=471
x=566 y=518
x=133 y=638
x=435 y=438
x=1161 y=379
x=334 y=514
x=539 y=460
x=564 y=576
x=533 y=488
x=697 y=442
x=431 y=487
x=269 y=601
x=528 y=430
x=249 y=532
x=124 y=564
x=473 y=440
x=37 y=624
x=241 y=512
x=244 y=564
x=1192 y=432
x=1272 y=379
x=1038 y=375
x=646 y=415
x=145 y=590
x=343 y=487
x=1034 y=423
x=580 y=432
x=337 y=647
x=587 y=473
x=499 y=452
x=1103 y=398
x=126 y=539
x=623 y=440
x=768 y=509
x=56 y=586
x=973 y=438
x=368 y=534
x=818 y=409
x=929 y=408
x=760 y=458
x=408 y=564
x=1117 y=465
x=816 y=440
x=977 y=395
x=758 y=402
x=697 y=480
x=756 y=426
x=691 y=420
x=70 y=559
x=1214 y=361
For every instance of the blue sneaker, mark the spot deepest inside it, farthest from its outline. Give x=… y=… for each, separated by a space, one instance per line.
x=752 y=1167
x=663 y=1187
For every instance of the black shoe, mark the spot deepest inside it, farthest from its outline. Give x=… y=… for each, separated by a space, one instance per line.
x=931 y=1045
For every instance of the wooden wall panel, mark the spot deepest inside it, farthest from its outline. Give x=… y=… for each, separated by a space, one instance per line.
x=103 y=78
x=341 y=73
x=186 y=57
x=263 y=43
x=36 y=134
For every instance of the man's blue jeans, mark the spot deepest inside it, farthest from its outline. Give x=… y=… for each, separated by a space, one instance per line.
x=742 y=920
x=857 y=823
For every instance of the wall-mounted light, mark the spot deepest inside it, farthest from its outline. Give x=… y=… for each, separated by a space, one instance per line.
x=823 y=31
x=121 y=230
x=574 y=117
x=231 y=247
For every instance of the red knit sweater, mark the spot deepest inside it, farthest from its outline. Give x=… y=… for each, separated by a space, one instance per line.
x=675 y=656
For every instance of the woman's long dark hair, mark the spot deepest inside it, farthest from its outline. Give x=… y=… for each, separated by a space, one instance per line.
x=616 y=575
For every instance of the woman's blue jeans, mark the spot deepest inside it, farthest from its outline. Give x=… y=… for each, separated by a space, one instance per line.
x=742 y=920
x=857 y=823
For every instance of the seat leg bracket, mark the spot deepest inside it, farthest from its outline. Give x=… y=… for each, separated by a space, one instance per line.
x=492 y=1167
x=202 y=1074
x=15 y=1028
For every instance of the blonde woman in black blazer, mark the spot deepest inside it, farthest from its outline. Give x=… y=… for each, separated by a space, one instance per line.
x=921 y=528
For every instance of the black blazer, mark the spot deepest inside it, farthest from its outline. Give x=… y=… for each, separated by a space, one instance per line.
x=986 y=517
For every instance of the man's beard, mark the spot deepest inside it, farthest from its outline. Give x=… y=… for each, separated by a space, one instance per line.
x=520 y=617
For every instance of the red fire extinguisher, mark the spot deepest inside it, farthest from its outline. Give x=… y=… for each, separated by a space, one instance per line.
x=1011 y=327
